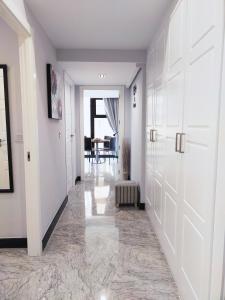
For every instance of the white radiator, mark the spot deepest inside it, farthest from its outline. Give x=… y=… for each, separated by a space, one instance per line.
x=127 y=193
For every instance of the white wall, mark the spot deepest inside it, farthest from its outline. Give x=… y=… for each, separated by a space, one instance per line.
x=137 y=129
x=74 y=131
x=12 y=206
x=77 y=126
x=51 y=133
x=96 y=55
x=127 y=115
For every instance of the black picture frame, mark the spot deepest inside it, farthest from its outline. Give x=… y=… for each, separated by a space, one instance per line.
x=54 y=93
x=8 y=130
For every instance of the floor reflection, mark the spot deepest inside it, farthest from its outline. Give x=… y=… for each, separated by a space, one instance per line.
x=88 y=204
x=100 y=170
x=97 y=252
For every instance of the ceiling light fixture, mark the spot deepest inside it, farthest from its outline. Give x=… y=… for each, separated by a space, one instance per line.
x=101 y=76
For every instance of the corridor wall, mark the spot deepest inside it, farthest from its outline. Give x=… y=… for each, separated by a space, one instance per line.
x=12 y=205
x=52 y=147
x=137 y=121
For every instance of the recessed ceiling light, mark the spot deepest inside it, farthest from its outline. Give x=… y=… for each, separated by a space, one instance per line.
x=101 y=76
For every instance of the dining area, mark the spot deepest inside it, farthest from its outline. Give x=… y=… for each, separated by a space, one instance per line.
x=100 y=150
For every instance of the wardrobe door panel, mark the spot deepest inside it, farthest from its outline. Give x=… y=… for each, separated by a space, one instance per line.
x=192 y=257
x=150 y=68
x=160 y=113
x=150 y=100
x=200 y=92
x=172 y=174
x=160 y=57
x=176 y=37
x=201 y=108
x=174 y=122
x=149 y=187
x=202 y=14
x=175 y=99
x=149 y=168
x=158 y=204
x=197 y=190
x=149 y=152
x=170 y=221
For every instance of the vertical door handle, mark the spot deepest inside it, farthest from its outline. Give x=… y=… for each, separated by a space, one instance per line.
x=150 y=135
x=177 y=143
x=154 y=135
x=182 y=142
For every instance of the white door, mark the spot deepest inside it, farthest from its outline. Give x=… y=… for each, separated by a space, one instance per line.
x=183 y=189
x=159 y=153
x=203 y=69
x=69 y=136
x=4 y=166
x=149 y=168
x=174 y=124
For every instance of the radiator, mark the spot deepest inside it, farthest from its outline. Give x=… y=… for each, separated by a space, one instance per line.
x=127 y=193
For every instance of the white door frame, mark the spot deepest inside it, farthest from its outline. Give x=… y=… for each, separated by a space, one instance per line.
x=70 y=82
x=218 y=257
x=121 y=123
x=10 y=14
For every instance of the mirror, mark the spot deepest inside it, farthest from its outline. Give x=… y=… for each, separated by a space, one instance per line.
x=6 y=175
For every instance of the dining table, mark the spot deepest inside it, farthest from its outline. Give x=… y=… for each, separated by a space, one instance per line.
x=98 y=141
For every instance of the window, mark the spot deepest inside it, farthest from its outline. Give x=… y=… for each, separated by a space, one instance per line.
x=100 y=107
x=99 y=123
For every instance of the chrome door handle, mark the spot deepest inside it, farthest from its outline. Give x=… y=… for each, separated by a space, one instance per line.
x=150 y=135
x=177 y=143
x=153 y=135
x=182 y=142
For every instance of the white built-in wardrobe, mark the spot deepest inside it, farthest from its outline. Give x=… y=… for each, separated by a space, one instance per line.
x=183 y=101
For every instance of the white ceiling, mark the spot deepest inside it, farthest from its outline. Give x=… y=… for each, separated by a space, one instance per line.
x=99 y=24
x=87 y=73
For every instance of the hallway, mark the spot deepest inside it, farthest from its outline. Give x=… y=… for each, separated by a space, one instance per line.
x=95 y=252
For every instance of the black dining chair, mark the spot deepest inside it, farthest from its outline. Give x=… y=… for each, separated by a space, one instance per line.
x=106 y=145
x=112 y=147
x=88 y=147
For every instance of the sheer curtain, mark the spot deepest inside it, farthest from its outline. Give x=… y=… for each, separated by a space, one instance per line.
x=112 y=110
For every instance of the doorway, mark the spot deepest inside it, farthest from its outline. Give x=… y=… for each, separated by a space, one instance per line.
x=105 y=141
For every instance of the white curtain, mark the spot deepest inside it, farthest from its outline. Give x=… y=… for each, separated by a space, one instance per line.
x=112 y=110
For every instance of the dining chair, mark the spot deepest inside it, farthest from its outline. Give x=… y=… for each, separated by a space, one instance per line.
x=88 y=147
x=113 y=148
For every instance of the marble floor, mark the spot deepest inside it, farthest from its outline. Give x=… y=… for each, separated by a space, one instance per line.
x=96 y=252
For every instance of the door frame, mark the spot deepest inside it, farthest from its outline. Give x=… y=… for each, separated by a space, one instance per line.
x=121 y=90
x=12 y=16
x=70 y=82
x=218 y=250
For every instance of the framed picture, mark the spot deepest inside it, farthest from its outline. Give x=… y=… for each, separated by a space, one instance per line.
x=55 y=92
x=6 y=168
